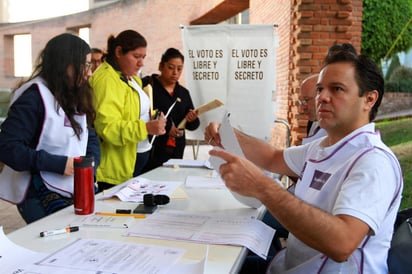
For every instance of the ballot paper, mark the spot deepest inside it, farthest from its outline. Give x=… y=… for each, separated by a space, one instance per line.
x=134 y=189
x=231 y=144
x=206 y=228
x=202 y=109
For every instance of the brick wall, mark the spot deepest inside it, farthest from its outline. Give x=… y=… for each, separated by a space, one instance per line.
x=157 y=20
x=395 y=101
x=306 y=29
x=315 y=26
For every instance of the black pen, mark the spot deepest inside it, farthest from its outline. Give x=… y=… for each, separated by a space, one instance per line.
x=59 y=231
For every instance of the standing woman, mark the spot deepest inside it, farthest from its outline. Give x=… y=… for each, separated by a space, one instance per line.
x=45 y=128
x=166 y=90
x=122 y=110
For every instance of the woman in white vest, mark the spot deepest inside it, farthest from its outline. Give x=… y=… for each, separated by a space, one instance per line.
x=46 y=127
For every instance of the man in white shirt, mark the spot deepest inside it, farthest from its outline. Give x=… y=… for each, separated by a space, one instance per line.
x=342 y=212
x=307 y=105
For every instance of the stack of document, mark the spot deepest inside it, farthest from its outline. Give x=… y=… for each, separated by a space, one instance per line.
x=206 y=228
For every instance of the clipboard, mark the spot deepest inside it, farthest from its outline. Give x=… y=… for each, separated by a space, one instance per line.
x=202 y=109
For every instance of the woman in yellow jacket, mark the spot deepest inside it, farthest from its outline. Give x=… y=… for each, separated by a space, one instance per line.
x=123 y=120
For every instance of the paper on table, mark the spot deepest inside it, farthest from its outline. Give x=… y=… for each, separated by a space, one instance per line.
x=188 y=163
x=105 y=221
x=202 y=109
x=72 y=259
x=114 y=257
x=136 y=188
x=231 y=144
x=13 y=258
x=209 y=181
x=206 y=228
x=191 y=268
x=179 y=194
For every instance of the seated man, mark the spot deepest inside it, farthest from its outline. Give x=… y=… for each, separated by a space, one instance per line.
x=307 y=105
x=344 y=205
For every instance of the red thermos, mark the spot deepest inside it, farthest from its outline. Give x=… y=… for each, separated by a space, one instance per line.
x=84 y=185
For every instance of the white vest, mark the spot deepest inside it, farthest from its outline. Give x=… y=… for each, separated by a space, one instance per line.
x=57 y=137
x=315 y=132
x=320 y=185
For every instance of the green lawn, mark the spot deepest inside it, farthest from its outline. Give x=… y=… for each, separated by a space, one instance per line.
x=397 y=134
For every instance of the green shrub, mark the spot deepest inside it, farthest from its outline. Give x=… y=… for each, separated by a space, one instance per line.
x=400 y=80
x=400 y=73
x=391 y=86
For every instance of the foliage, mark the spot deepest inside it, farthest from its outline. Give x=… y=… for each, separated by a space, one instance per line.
x=382 y=22
x=400 y=80
x=401 y=73
x=397 y=135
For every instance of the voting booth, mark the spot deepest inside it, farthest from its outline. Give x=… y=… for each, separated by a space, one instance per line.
x=235 y=64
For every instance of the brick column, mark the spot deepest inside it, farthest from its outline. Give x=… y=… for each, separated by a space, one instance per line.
x=316 y=25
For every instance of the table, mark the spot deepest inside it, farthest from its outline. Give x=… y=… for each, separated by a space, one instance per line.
x=221 y=258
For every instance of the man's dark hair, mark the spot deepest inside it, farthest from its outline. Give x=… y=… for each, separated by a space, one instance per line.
x=339 y=47
x=367 y=74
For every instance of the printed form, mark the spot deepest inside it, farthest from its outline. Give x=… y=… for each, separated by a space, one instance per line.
x=206 y=228
x=95 y=256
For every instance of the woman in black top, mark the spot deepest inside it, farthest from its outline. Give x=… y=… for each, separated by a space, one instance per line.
x=166 y=91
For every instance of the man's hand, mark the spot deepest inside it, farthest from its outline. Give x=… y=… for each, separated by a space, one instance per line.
x=212 y=136
x=241 y=175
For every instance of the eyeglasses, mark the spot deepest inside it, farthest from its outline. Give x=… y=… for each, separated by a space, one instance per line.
x=96 y=61
x=88 y=66
x=304 y=101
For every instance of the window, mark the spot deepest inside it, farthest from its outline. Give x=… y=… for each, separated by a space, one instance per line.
x=84 y=34
x=81 y=31
x=22 y=55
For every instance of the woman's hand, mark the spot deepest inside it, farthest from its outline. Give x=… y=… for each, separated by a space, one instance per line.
x=175 y=132
x=212 y=136
x=158 y=126
x=69 y=169
x=191 y=115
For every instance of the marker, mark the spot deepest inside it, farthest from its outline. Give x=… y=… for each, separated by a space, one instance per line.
x=140 y=216
x=124 y=211
x=59 y=231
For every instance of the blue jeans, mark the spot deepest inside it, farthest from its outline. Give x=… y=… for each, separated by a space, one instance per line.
x=31 y=208
x=141 y=161
x=40 y=201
